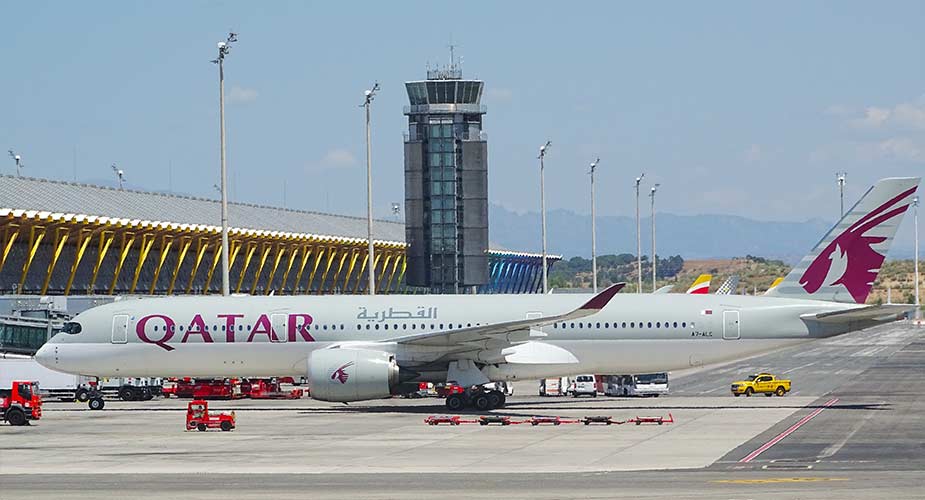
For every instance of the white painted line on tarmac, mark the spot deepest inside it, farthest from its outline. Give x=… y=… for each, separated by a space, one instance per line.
x=836 y=447
x=767 y=446
x=800 y=367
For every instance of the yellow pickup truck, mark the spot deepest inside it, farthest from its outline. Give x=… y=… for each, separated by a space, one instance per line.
x=762 y=382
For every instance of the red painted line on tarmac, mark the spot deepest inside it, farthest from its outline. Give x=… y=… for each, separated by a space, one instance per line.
x=766 y=446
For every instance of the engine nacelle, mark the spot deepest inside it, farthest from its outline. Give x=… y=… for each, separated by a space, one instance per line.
x=351 y=374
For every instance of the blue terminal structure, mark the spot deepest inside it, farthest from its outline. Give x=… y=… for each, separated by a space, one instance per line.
x=515 y=272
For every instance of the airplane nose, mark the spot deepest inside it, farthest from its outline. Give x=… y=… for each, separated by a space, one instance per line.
x=46 y=356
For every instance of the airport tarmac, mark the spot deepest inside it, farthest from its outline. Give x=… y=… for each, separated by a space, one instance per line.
x=851 y=428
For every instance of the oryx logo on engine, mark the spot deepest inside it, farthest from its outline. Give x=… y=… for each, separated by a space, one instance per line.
x=340 y=374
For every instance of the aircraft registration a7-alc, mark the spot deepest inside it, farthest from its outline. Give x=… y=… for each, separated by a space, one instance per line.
x=352 y=348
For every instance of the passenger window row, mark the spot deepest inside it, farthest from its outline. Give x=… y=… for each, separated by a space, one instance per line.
x=615 y=325
x=376 y=326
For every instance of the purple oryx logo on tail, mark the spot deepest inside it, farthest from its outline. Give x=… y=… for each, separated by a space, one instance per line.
x=856 y=254
x=340 y=374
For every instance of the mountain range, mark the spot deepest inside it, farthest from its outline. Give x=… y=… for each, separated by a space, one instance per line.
x=691 y=236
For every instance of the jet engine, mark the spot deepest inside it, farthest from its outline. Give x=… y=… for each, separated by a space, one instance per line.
x=354 y=375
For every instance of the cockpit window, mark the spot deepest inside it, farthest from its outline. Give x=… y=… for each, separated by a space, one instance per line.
x=71 y=328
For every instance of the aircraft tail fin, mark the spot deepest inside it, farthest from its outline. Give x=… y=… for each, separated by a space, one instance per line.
x=842 y=267
x=701 y=285
x=729 y=286
x=774 y=284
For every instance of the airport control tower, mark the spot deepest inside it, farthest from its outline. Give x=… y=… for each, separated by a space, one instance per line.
x=446 y=183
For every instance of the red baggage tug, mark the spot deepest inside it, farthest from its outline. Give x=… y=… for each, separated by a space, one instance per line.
x=198 y=417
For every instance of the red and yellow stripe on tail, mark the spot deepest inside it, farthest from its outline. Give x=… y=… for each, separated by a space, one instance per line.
x=701 y=285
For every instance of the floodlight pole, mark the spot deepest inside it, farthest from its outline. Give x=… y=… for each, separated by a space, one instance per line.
x=593 y=232
x=542 y=157
x=840 y=177
x=18 y=160
x=371 y=262
x=654 y=261
x=638 y=239
x=223 y=49
x=915 y=223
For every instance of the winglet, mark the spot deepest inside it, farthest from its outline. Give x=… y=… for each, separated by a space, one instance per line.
x=601 y=299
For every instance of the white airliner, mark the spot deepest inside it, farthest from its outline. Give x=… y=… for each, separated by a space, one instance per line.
x=354 y=348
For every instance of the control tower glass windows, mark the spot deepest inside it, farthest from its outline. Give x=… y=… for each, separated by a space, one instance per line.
x=417 y=93
x=441 y=192
x=444 y=92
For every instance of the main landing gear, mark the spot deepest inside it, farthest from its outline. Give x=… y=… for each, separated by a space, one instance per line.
x=477 y=398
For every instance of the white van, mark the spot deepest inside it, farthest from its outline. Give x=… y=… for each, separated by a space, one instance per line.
x=650 y=384
x=584 y=385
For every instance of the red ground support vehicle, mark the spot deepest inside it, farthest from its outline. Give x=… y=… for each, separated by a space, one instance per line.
x=448 y=389
x=653 y=420
x=495 y=419
x=198 y=417
x=187 y=387
x=224 y=389
x=20 y=403
x=181 y=388
x=268 y=389
x=445 y=419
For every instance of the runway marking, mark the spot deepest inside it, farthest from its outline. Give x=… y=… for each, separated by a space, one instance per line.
x=836 y=447
x=869 y=351
x=766 y=446
x=799 y=367
x=781 y=480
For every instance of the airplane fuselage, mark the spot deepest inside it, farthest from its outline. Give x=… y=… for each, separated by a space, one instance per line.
x=274 y=336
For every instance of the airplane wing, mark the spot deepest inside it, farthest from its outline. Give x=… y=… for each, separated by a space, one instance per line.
x=884 y=312
x=498 y=335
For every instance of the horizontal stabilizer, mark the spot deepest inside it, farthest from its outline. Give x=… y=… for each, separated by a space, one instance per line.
x=885 y=312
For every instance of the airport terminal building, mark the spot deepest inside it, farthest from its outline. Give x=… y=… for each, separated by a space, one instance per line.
x=67 y=246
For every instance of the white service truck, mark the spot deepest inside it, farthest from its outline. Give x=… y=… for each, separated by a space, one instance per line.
x=557 y=386
x=67 y=387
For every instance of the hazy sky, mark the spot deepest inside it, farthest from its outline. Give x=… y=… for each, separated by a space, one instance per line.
x=743 y=108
